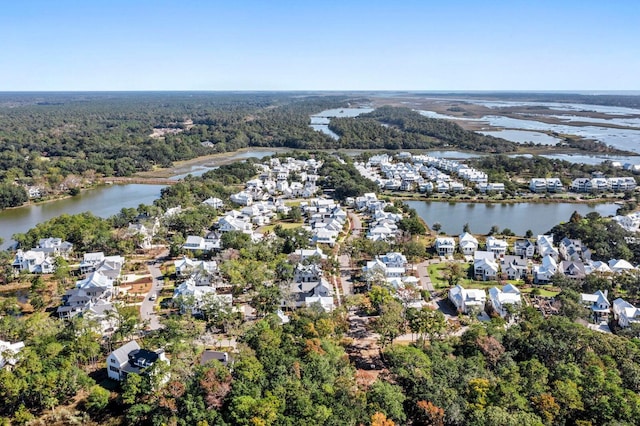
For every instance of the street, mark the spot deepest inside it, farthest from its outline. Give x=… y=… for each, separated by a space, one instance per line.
x=147 y=312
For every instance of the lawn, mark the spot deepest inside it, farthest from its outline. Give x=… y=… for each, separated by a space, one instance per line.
x=285 y=225
x=436 y=273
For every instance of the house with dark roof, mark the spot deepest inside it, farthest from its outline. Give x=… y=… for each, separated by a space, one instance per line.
x=131 y=359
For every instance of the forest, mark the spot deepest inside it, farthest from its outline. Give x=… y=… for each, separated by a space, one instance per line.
x=58 y=142
x=402 y=128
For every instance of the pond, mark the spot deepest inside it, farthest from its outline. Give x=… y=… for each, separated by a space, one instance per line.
x=519 y=217
x=103 y=201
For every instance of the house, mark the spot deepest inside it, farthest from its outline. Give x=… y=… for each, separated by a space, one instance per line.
x=145 y=236
x=325 y=236
x=90 y=261
x=87 y=292
x=379 y=268
x=485 y=267
x=546 y=185
x=131 y=359
x=625 y=313
x=596 y=266
x=33 y=262
x=325 y=302
x=196 y=296
x=598 y=303
x=101 y=313
x=214 y=202
x=110 y=266
x=468 y=244
x=210 y=355
x=243 y=198
x=8 y=352
x=524 y=247
x=197 y=243
x=496 y=246
x=546 y=248
x=304 y=254
x=55 y=247
x=186 y=266
x=308 y=281
x=230 y=223
x=544 y=272
x=570 y=249
x=445 y=246
x=501 y=299
x=620 y=265
x=467 y=300
x=572 y=269
x=514 y=267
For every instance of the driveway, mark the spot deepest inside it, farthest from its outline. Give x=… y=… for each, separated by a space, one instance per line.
x=147 y=312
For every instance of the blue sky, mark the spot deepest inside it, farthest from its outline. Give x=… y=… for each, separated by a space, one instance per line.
x=319 y=45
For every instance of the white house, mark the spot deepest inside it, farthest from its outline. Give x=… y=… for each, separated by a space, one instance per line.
x=544 y=272
x=88 y=291
x=131 y=359
x=598 y=303
x=8 y=352
x=546 y=247
x=445 y=246
x=33 y=262
x=468 y=244
x=501 y=298
x=55 y=247
x=185 y=266
x=625 y=313
x=620 y=265
x=485 y=267
x=243 y=198
x=197 y=296
x=496 y=246
x=465 y=300
x=214 y=202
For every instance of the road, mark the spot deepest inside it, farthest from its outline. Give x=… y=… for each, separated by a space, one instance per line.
x=147 y=311
x=423 y=274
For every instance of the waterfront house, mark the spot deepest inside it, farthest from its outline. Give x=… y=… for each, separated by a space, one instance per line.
x=524 y=247
x=33 y=262
x=497 y=246
x=468 y=244
x=445 y=246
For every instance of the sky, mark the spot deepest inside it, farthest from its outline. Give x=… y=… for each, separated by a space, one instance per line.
x=73 y=45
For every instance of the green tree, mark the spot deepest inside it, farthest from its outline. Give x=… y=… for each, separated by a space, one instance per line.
x=97 y=399
x=390 y=322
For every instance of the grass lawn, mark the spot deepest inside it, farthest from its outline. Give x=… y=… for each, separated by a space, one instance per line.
x=285 y=225
x=436 y=273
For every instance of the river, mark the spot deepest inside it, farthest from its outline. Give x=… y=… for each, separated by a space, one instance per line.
x=103 y=201
x=519 y=217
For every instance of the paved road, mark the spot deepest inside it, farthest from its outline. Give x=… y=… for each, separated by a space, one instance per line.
x=147 y=312
x=423 y=274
